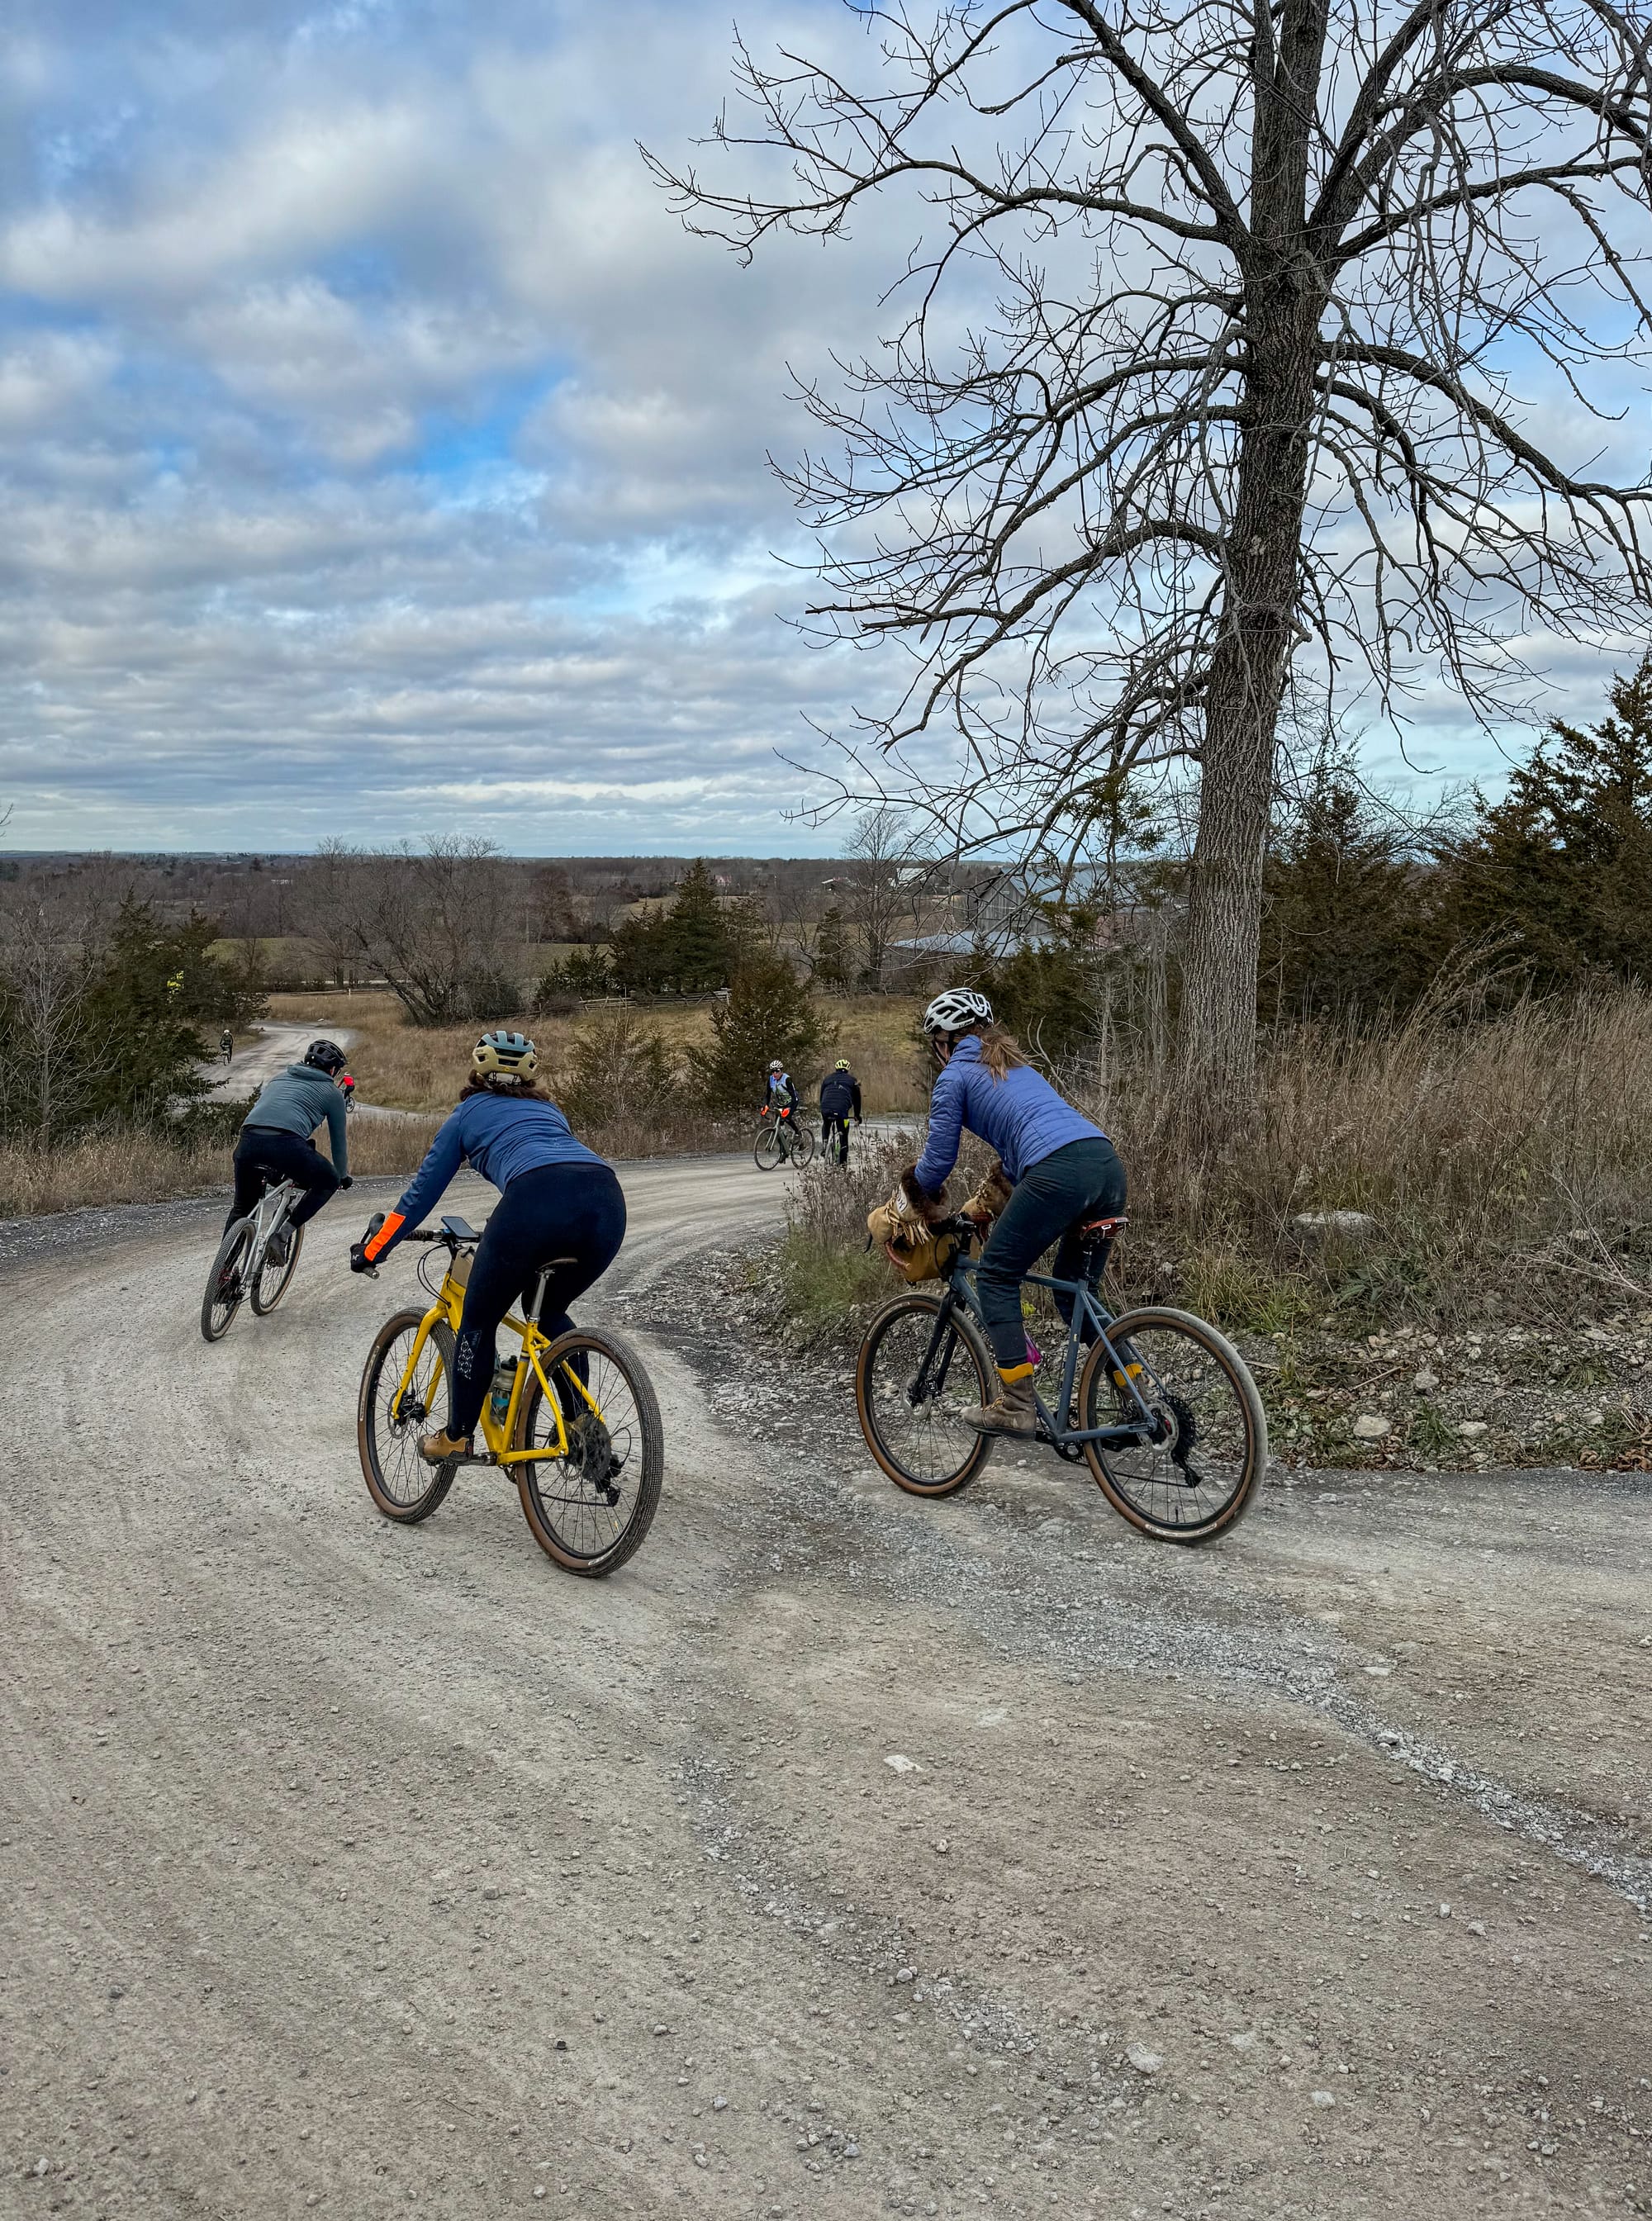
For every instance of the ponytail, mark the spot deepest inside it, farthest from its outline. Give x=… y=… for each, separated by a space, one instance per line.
x=998 y=1051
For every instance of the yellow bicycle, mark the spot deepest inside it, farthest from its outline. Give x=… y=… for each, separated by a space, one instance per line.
x=574 y=1420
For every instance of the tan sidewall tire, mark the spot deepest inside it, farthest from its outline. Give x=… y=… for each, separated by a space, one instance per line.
x=915 y=1300
x=441 y=1476
x=1141 y=1321
x=620 y=1353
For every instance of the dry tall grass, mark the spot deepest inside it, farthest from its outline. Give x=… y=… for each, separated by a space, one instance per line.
x=1505 y=1167
x=128 y=1166
x=1505 y=1164
x=421 y=1069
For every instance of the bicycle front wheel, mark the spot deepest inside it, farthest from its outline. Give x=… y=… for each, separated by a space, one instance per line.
x=225 y=1285
x=1195 y=1472
x=274 y=1281
x=389 y=1420
x=803 y=1145
x=770 y=1152
x=590 y=1508
x=912 y=1380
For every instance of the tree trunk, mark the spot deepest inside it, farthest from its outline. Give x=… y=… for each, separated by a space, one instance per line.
x=1284 y=299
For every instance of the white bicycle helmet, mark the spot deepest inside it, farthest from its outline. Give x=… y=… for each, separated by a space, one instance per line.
x=956 y=1009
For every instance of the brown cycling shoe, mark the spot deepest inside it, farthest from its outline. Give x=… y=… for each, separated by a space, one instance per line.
x=1012 y=1411
x=437 y=1449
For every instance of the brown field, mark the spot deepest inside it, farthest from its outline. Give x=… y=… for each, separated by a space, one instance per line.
x=420 y=1068
x=139 y=1167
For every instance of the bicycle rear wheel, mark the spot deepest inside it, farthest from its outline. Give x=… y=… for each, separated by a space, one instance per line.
x=274 y=1281
x=770 y=1152
x=1196 y=1475
x=388 y=1423
x=225 y=1286
x=916 y=1434
x=591 y=1509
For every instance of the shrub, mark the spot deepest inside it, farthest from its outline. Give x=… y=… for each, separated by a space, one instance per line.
x=618 y=1069
x=768 y=1014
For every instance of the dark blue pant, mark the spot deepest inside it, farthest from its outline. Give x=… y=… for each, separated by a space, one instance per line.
x=572 y=1212
x=264 y=1153
x=1083 y=1181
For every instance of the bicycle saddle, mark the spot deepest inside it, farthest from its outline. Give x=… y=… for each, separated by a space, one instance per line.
x=461 y=1230
x=1096 y=1227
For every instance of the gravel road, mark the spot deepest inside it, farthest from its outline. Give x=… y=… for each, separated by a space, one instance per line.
x=270 y=1047
x=843 y=1856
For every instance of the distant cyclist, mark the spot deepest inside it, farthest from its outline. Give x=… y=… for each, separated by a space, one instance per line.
x=840 y=1101
x=1060 y=1168
x=275 y=1136
x=346 y=1089
x=782 y=1090
x=226 y=1044
x=560 y=1204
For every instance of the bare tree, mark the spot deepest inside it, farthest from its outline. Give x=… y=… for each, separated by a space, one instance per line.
x=44 y=985
x=1209 y=357
x=877 y=899
x=436 y=923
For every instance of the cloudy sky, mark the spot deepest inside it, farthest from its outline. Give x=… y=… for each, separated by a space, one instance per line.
x=379 y=454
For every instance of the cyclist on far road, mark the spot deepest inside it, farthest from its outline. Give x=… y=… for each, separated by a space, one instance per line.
x=560 y=1204
x=275 y=1135
x=1058 y=1170
x=226 y=1044
x=840 y=1100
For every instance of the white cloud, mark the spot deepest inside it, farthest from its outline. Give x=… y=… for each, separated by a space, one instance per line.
x=377 y=450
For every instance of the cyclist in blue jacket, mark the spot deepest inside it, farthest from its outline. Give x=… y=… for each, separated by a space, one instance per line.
x=1062 y=1168
x=557 y=1200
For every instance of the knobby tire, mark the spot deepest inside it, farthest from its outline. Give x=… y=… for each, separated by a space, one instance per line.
x=400 y=1483
x=930 y=1455
x=564 y=1498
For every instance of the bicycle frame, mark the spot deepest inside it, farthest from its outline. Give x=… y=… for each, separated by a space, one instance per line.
x=1087 y=1309
x=497 y=1433
x=269 y=1215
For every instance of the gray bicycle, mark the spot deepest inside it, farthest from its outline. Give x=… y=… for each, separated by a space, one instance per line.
x=256 y=1260
x=1159 y=1405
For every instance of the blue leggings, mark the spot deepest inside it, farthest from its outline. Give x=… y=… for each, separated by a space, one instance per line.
x=1051 y=1199
x=575 y=1212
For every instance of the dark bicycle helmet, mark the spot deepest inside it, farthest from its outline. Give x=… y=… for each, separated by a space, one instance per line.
x=327 y=1056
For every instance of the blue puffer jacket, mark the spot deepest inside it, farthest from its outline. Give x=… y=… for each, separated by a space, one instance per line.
x=1020 y=1116
x=502 y=1136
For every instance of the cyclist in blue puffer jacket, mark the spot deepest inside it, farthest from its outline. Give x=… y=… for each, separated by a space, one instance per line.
x=559 y=1200
x=1063 y=1171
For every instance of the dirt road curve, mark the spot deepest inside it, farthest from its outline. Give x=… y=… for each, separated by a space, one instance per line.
x=385 y=1871
x=271 y=1049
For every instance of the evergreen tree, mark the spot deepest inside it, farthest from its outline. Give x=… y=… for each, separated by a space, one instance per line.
x=1563 y=864
x=698 y=940
x=618 y=1067
x=832 y=960
x=142 y=1014
x=768 y=1014
x=1347 y=920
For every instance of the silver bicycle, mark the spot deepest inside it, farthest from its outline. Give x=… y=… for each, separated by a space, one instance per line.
x=257 y=1258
